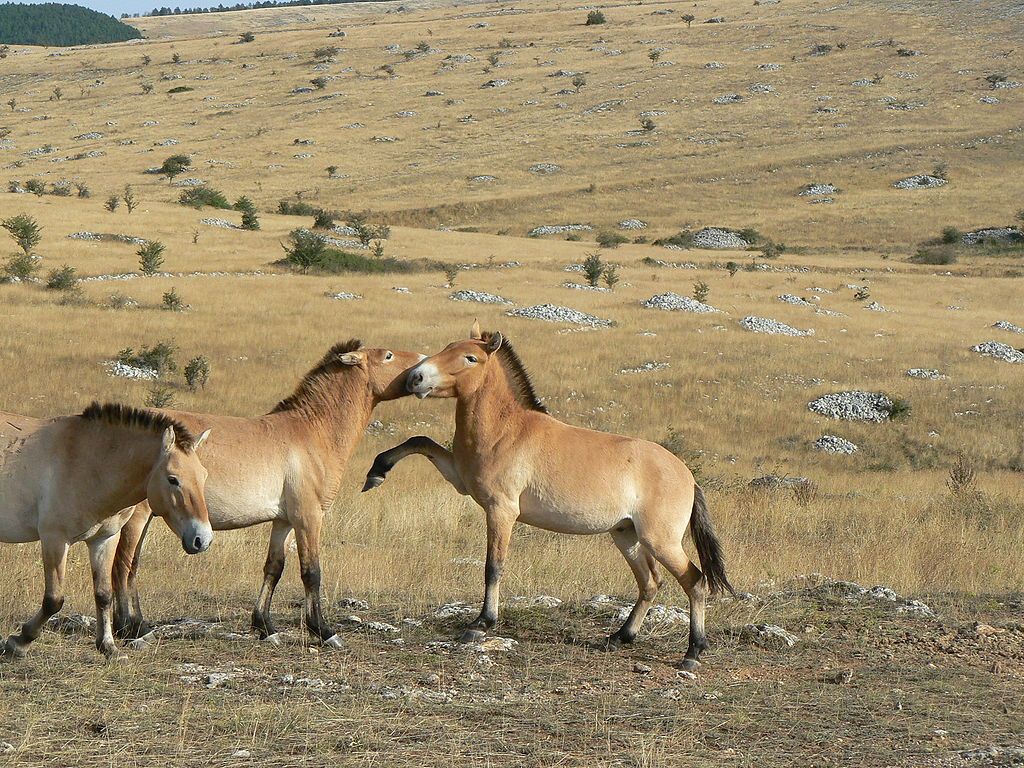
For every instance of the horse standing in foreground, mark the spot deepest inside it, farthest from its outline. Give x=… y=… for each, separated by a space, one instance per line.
x=60 y=478
x=522 y=465
x=284 y=468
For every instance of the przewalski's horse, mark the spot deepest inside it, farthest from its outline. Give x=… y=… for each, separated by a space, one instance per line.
x=60 y=478
x=284 y=468
x=522 y=465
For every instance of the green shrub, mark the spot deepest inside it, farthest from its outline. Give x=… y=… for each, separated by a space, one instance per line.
x=172 y=301
x=175 y=165
x=24 y=230
x=198 y=197
x=151 y=257
x=159 y=357
x=611 y=276
x=900 y=409
x=197 y=373
x=595 y=17
x=324 y=219
x=451 y=272
x=683 y=239
x=181 y=89
x=250 y=219
x=593 y=268
x=36 y=186
x=936 y=256
x=160 y=395
x=336 y=261
x=111 y=203
x=611 y=239
x=63 y=279
x=319 y=82
x=299 y=208
x=701 y=291
x=951 y=235
x=21 y=266
x=304 y=250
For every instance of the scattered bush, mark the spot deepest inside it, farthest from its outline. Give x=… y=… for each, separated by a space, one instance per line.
x=147 y=88
x=593 y=268
x=172 y=301
x=21 y=266
x=995 y=79
x=246 y=37
x=935 y=256
x=689 y=18
x=118 y=300
x=250 y=219
x=63 y=279
x=181 y=89
x=319 y=82
x=325 y=53
x=578 y=82
x=701 y=291
x=197 y=373
x=654 y=55
x=951 y=235
x=159 y=357
x=683 y=239
x=451 y=272
x=324 y=219
x=900 y=409
x=82 y=189
x=305 y=249
x=151 y=257
x=24 y=230
x=128 y=197
x=36 y=186
x=112 y=203
x=595 y=17
x=862 y=294
x=611 y=276
x=198 y=197
x=732 y=267
x=611 y=239
x=60 y=189
x=961 y=476
x=299 y=208
x=175 y=165
x=160 y=395
x=648 y=124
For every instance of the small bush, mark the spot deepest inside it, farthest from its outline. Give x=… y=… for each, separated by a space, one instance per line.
x=862 y=294
x=595 y=17
x=118 y=300
x=151 y=257
x=683 y=239
x=900 y=409
x=82 y=189
x=593 y=268
x=250 y=219
x=175 y=165
x=701 y=291
x=36 y=186
x=159 y=357
x=246 y=37
x=611 y=239
x=325 y=53
x=111 y=203
x=60 y=189
x=961 y=476
x=198 y=197
x=319 y=82
x=299 y=208
x=128 y=198
x=324 y=219
x=172 y=301
x=451 y=272
x=573 y=237
x=611 y=276
x=935 y=256
x=160 y=395
x=304 y=250
x=197 y=373
x=951 y=235
x=24 y=230
x=63 y=279
x=648 y=124
x=732 y=268
x=181 y=89
x=21 y=266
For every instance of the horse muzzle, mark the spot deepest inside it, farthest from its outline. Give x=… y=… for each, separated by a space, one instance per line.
x=197 y=537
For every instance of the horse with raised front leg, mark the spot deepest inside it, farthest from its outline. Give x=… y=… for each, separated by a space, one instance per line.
x=61 y=478
x=522 y=465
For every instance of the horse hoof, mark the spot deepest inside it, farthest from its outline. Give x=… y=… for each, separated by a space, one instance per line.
x=11 y=651
x=274 y=639
x=472 y=636
x=372 y=482
x=613 y=643
x=334 y=642
x=689 y=665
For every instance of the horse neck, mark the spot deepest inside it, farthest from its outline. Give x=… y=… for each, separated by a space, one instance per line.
x=333 y=415
x=484 y=416
x=124 y=458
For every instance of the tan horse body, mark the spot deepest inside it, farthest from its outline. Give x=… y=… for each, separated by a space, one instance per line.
x=524 y=466
x=60 y=478
x=284 y=468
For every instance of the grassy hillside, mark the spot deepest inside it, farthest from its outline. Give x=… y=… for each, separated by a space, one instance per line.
x=60 y=24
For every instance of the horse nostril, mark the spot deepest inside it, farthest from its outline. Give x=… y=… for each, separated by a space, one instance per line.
x=198 y=543
x=417 y=378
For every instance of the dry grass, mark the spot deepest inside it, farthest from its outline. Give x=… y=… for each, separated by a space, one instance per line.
x=738 y=400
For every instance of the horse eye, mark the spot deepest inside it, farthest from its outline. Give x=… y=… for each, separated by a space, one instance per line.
x=388 y=356
x=173 y=481
x=471 y=358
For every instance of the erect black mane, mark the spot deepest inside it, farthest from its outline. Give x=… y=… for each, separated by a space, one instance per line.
x=120 y=415
x=307 y=388
x=518 y=376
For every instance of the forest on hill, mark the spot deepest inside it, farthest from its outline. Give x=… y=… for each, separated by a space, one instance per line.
x=59 y=24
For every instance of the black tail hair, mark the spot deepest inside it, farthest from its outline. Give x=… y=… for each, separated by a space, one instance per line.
x=709 y=548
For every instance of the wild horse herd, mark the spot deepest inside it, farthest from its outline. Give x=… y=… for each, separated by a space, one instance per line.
x=102 y=475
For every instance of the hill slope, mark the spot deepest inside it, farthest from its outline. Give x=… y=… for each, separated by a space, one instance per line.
x=58 y=24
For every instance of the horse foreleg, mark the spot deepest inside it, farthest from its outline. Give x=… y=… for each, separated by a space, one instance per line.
x=500 y=521
x=439 y=456
x=102 y=550
x=307 y=539
x=128 y=619
x=55 y=554
x=272 y=570
x=644 y=568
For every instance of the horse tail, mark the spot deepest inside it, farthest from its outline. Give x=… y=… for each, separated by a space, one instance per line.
x=709 y=548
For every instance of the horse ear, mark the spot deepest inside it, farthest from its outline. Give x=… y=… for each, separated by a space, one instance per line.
x=475 y=332
x=168 y=440
x=200 y=440
x=494 y=342
x=351 y=358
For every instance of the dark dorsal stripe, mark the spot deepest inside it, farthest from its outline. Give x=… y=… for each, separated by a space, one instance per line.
x=518 y=376
x=309 y=389
x=120 y=415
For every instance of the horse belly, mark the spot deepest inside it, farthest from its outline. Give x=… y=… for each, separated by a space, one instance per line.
x=19 y=506
x=567 y=515
x=229 y=510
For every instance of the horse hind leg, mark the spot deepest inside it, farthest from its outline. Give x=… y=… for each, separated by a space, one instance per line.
x=54 y=560
x=644 y=568
x=670 y=553
x=102 y=551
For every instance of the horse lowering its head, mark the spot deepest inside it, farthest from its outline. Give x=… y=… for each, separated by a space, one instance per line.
x=175 y=485
x=460 y=369
x=383 y=371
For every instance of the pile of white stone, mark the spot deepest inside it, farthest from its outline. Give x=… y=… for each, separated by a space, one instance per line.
x=496 y=83
x=632 y=224
x=931 y=374
x=796 y=301
x=647 y=367
x=1006 y=325
x=673 y=302
x=715 y=238
x=999 y=351
x=835 y=444
x=343 y=296
x=124 y=371
x=129 y=239
x=544 y=168
x=580 y=287
x=774 y=327
x=558 y=229
x=221 y=223
x=729 y=98
x=552 y=313
x=478 y=296
x=1002 y=234
x=855 y=405
x=817 y=190
x=920 y=181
